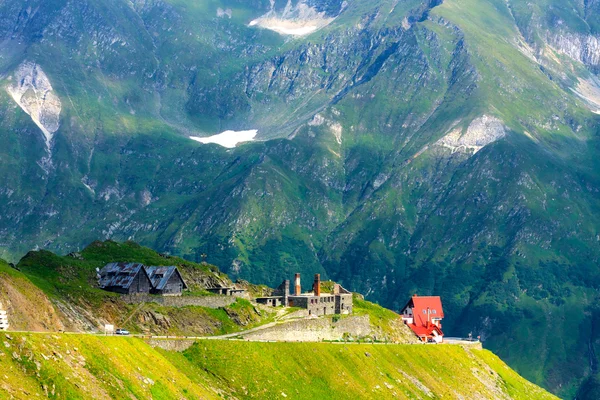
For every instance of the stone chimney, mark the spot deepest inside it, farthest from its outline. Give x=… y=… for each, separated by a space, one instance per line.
x=317 y=285
x=286 y=293
x=297 y=288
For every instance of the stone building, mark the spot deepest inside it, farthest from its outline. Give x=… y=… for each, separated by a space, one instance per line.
x=316 y=302
x=227 y=291
x=280 y=296
x=3 y=319
x=343 y=300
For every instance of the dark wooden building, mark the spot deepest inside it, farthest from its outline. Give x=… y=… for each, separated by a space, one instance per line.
x=125 y=278
x=166 y=280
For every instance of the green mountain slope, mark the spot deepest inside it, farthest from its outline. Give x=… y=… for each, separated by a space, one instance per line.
x=418 y=146
x=80 y=366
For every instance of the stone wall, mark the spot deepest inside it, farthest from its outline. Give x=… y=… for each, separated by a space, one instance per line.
x=477 y=345
x=315 y=330
x=295 y=315
x=171 y=344
x=182 y=301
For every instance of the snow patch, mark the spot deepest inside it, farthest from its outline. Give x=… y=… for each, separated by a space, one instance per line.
x=298 y=20
x=228 y=139
x=33 y=92
x=283 y=27
x=481 y=132
x=86 y=182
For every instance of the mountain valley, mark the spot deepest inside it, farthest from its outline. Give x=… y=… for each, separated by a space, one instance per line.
x=402 y=146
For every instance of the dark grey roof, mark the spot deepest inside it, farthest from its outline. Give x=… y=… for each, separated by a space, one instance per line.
x=161 y=275
x=119 y=274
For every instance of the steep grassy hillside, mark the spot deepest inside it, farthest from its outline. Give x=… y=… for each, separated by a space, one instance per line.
x=27 y=305
x=386 y=323
x=84 y=366
x=327 y=371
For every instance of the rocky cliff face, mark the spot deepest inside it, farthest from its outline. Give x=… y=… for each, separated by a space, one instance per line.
x=32 y=91
x=582 y=48
x=480 y=133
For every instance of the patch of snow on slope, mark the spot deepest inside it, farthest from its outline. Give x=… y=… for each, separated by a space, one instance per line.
x=33 y=92
x=298 y=20
x=481 y=132
x=283 y=27
x=228 y=139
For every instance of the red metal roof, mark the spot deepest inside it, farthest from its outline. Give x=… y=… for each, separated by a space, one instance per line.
x=425 y=331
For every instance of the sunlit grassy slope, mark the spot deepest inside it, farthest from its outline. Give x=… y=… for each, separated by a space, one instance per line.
x=28 y=305
x=84 y=366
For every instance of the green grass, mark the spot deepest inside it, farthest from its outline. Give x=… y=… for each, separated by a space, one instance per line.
x=75 y=277
x=328 y=371
x=83 y=366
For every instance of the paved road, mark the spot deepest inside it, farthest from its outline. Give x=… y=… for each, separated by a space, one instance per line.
x=229 y=336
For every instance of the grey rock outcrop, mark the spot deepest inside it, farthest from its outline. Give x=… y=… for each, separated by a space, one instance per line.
x=582 y=48
x=33 y=92
x=481 y=132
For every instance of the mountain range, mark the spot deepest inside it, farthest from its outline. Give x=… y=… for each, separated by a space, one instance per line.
x=402 y=146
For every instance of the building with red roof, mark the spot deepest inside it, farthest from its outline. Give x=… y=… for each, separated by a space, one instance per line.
x=424 y=314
